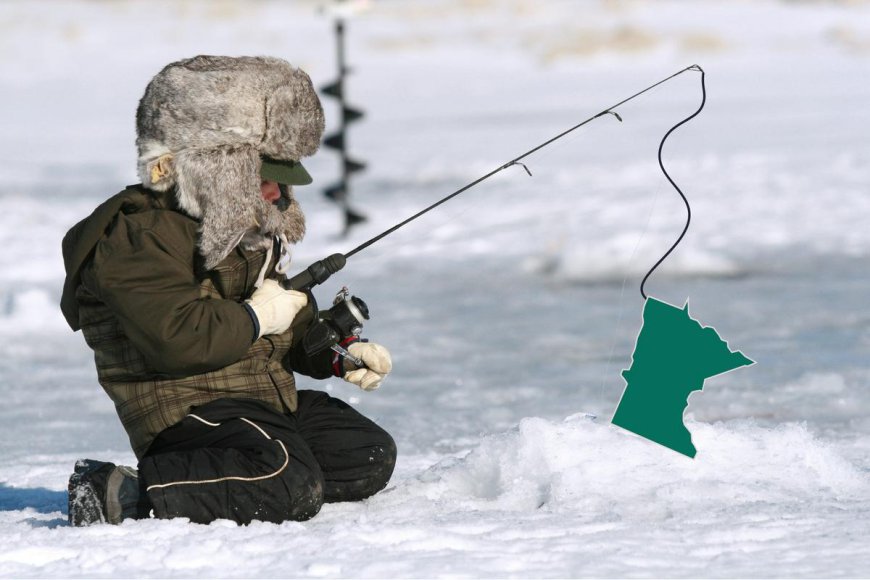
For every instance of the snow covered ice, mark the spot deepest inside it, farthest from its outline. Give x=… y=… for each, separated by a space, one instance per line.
x=510 y=311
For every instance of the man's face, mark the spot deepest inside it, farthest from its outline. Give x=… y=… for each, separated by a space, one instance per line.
x=270 y=191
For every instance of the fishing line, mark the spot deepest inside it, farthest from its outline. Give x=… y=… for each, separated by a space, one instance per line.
x=646 y=229
x=619 y=315
x=661 y=164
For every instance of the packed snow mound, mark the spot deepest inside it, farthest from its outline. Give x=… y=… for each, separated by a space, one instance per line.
x=593 y=467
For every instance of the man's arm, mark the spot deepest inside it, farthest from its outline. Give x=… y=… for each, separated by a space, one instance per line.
x=145 y=276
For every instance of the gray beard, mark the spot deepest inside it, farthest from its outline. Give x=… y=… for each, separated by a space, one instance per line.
x=222 y=188
x=223 y=228
x=274 y=223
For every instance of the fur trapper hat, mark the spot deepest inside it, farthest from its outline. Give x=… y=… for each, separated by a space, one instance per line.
x=202 y=127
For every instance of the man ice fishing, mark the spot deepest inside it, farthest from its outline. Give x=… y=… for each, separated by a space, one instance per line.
x=174 y=283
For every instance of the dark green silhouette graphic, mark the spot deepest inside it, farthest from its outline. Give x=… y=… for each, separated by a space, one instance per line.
x=673 y=356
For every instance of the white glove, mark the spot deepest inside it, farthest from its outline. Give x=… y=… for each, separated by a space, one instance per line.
x=275 y=307
x=377 y=361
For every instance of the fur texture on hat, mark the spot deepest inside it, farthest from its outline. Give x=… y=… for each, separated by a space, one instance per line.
x=201 y=127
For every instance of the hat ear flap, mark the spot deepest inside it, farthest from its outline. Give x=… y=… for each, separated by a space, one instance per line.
x=221 y=187
x=158 y=174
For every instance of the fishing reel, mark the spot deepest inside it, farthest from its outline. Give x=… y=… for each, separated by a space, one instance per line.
x=343 y=320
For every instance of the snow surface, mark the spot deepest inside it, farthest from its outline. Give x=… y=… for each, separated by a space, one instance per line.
x=510 y=311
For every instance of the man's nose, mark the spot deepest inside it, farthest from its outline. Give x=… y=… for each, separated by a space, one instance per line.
x=270 y=191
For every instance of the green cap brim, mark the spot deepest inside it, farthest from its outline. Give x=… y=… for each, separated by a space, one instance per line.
x=286 y=172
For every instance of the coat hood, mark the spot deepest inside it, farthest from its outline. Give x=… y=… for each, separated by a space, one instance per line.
x=80 y=241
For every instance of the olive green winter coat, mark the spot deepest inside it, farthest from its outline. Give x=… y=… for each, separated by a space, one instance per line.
x=168 y=335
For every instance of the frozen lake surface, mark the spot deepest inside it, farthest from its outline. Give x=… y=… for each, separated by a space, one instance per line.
x=511 y=311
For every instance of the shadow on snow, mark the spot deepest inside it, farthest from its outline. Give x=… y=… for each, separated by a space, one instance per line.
x=44 y=501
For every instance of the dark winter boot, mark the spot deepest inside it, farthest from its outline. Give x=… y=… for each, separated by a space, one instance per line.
x=101 y=492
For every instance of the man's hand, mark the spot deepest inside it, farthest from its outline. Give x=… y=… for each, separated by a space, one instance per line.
x=377 y=361
x=274 y=307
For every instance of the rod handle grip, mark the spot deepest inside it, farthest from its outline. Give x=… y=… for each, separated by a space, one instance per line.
x=317 y=273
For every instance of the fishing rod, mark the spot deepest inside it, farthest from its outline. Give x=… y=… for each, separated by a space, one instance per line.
x=348 y=312
x=320 y=271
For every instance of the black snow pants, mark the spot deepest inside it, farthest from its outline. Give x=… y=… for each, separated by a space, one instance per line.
x=239 y=459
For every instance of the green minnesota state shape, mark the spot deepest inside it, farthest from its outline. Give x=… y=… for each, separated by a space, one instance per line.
x=673 y=356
